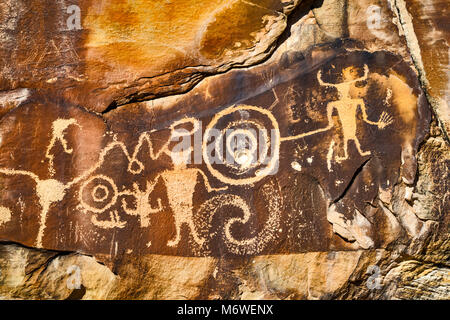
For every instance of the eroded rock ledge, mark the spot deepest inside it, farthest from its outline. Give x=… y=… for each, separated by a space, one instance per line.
x=313 y=164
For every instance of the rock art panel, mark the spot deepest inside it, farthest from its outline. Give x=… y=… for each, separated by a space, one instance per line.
x=287 y=157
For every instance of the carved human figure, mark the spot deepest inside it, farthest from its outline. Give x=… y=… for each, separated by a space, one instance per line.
x=347 y=108
x=180 y=183
x=48 y=191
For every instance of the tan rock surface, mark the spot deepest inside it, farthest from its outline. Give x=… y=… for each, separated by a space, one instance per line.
x=118 y=51
x=427 y=32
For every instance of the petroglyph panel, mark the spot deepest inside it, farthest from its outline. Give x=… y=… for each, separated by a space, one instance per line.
x=297 y=155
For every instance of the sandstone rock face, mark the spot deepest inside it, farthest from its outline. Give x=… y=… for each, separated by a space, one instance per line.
x=98 y=53
x=427 y=33
x=224 y=149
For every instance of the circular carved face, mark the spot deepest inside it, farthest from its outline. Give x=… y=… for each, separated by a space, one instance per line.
x=241 y=145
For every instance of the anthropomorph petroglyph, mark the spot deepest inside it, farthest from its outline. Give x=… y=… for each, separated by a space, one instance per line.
x=347 y=107
x=181 y=182
x=98 y=193
x=143 y=208
x=48 y=191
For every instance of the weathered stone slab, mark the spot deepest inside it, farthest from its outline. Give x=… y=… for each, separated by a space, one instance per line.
x=330 y=182
x=327 y=140
x=98 y=53
x=428 y=29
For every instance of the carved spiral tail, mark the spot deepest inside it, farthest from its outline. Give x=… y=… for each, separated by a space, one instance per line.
x=255 y=244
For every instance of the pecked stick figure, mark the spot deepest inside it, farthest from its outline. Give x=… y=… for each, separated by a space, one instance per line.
x=347 y=107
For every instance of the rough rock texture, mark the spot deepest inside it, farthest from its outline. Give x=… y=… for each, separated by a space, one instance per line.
x=426 y=31
x=224 y=149
x=124 y=51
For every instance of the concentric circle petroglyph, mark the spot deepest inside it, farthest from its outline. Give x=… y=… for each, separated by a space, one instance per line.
x=250 y=161
x=98 y=193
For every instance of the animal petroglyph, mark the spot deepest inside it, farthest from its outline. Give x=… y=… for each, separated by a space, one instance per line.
x=50 y=191
x=103 y=196
x=114 y=222
x=179 y=181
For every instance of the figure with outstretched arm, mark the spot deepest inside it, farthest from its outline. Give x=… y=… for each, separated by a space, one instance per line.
x=384 y=121
x=48 y=191
x=346 y=108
